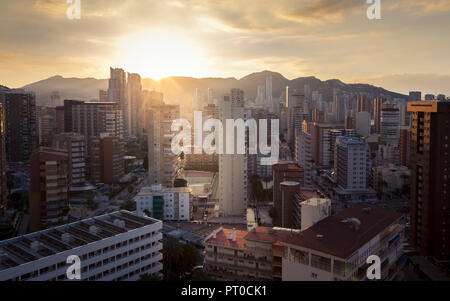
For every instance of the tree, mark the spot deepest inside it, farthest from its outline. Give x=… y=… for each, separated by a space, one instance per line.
x=130 y=189
x=200 y=276
x=178 y=259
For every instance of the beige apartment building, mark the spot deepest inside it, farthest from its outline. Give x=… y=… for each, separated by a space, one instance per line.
x=237 y=255
x=334 y=249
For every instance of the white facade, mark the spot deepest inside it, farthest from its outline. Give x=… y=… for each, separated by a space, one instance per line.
x=313 y=211
x=177 y=202
x=115 y=247
x=351 y=164
x=232 y=168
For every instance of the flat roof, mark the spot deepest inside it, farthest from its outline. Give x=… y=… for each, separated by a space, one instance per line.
x=338 y=238
x=19 y=250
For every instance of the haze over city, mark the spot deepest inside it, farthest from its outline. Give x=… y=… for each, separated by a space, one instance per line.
x=408 y=48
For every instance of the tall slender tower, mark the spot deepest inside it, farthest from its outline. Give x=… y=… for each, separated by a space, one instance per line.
x=430 y=178
x=377 y=109
x=232 y=167
x=134 y=89
x=117 y=92
x=3 y=191
x=269 y=95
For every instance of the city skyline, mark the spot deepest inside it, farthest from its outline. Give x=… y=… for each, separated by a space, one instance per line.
x=323 y=38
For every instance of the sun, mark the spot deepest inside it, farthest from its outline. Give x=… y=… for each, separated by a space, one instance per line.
x=158 y=54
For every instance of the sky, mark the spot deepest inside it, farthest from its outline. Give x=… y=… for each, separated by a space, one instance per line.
x=407 y=49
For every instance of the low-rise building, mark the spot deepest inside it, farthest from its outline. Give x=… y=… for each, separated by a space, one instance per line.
x=335 y=248
x=172 y=204
x=114 y=247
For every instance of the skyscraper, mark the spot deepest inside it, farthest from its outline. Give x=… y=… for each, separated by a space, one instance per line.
x=390 y=125
x=21 y=127
x=93 y=118
x=377 y=108
x=430 y=178
x=362 y=104
x=134 y=89
x=270 y=105
x=76 y=148
x=117 y=92
x=232 y=167
x=415 y=96
x=163 y=164
x=350 y=164
x=106 y=159
x=49 y=188
x=3 y=187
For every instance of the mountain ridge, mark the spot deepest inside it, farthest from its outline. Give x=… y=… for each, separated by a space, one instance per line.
x=182 y=88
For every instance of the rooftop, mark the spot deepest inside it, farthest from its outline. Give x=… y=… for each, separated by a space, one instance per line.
x=338 y=237
x=24 y=249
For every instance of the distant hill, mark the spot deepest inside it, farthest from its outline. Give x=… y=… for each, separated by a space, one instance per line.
x=180 y=89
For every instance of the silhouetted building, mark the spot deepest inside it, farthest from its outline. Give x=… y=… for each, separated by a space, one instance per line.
x=21 y=127
x=430 y=178
x=49 y=188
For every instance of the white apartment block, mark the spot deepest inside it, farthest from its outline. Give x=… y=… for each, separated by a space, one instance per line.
x=164 y=165
x=313 y=211
x=232 y=168
x=170 y=204
x=118 y=246
x=351 y=159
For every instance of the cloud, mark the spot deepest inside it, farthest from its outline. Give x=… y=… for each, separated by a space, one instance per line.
x=323 y=11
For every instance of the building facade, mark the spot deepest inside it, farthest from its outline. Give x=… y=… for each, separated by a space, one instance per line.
x=430 y=178
x=118 y=246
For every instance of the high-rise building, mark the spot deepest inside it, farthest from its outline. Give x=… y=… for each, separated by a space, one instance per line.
x=47 y=125
x=292 y=175
x=429 y=97
x=107 y=163
x=350 y=164
x=49 y=188
x=119 y=246
x=103 y=96
x=59 y=112
x=134 y=89
x=390 y=125
x=430 y=178
x=269 y=105
x=404 y=146
x=91 y=119
x=339 y=108
x=415 y=96
x=117 y=93
x=21 y=126
x=164 y=165
x=3 y=187
x=303 y=153
x=55 y=99
x=377 y=109
x=76 y=148
x=320 y=148
x=363 y=123
x=232 y=167
x=362 y=104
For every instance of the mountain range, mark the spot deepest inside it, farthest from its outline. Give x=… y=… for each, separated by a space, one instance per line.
x=180 y=89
